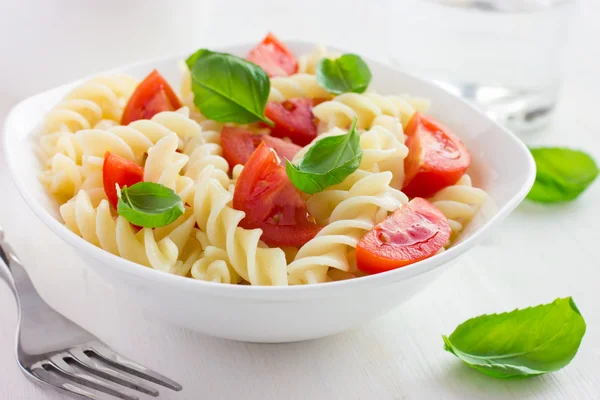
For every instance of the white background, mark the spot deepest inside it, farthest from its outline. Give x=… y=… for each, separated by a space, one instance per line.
x=540 y=253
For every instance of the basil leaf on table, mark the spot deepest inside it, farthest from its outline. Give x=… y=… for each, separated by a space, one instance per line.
x=327 y=162
x=149 y=204
x=348 y=73
x=562 y=174
x=228 y=88
x=521 y=343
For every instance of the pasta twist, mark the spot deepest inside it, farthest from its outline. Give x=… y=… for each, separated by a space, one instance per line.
x=89 y=103
x=95 y=223
x=298 y=85
x=340 y=111
x=205 y=150
x=59 y=143
x=459 y=202
x=185 y=88
x=308 y=62
x=63 y=178
x=134 y=140
x=356 y=211
x=383 y=150
x=214 y=266
x=214 y=216
x=164 y=165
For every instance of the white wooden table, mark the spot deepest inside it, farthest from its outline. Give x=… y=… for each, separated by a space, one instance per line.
x=540 y=253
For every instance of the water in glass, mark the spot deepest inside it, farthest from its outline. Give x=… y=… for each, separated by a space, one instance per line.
x=503 y=55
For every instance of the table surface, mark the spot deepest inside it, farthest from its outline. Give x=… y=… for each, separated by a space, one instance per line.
x=540 y=253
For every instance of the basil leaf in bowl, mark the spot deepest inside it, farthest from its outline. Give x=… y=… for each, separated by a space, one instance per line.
x=327 y=162
x=149 y=204
x=228 y=88
x=348 y=73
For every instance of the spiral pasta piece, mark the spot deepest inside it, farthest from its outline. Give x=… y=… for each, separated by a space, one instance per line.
x=367 y=202
x=297 y=85
x=59 y=143
x=164 y=165
x=96 y=224
x=308 y=62
x=366 y=107
x=205 y=150
x=63 y=179
x=134 y=140
x=459 y=202
x=214 y=266
x=97 y=99
x=214 y=216
x=383 y=150
x=185 y=88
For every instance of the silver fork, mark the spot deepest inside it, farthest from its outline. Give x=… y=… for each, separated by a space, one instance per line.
x=55 y=352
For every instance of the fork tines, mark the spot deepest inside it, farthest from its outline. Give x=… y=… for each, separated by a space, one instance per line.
x=97 y=367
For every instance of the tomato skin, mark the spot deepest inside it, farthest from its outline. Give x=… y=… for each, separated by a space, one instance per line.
x=294 y=119
x=437 y=158
x=412 y=233
x=152 y=95
x=118 y=170
x=238 y=145
x=274 y=57
x=271 y=202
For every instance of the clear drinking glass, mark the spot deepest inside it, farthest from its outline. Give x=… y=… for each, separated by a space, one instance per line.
x=505 y=56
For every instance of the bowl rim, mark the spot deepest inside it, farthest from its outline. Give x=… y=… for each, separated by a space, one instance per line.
x=250 y=291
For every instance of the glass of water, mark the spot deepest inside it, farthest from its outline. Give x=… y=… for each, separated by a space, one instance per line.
x=505 y=56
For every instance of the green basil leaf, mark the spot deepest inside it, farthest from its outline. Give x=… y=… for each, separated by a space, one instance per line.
x=562 y=174
x=191 y=60
x=328 y=162
x=228 y=88
x=149 y=204
x=348 y=73
x=520 y=343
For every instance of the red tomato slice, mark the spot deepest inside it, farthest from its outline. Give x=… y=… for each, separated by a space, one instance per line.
x=294 y=119
x=412 y=233
x=274 y=57
x=436 y=157
x=118 y=170
x=152 y=95
x=271 y=202
x=239 y=144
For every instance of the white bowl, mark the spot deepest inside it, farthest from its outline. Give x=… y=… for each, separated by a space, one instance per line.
x=502 y=166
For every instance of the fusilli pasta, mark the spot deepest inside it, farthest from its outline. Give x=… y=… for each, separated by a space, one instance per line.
x=357 y=210
x=97 y=225
x=340 y=111
x=182 y=150
x=298 y=85
x=308 y=62
x=89 y=103
x=459 y=202
x=254 y=263
x=133 y=141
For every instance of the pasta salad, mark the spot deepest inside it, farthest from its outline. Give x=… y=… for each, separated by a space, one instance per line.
x=271 y=169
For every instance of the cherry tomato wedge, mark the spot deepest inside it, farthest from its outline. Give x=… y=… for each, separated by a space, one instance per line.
x=239 y=144
x=152 y=95
x=274 y=57
x=118 y=170
x=293 y=119
x=271 y=202
x=412 y=233
x=436 y=157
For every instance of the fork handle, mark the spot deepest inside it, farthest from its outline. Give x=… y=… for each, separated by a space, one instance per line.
x=8 y=260
x=16 y=277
